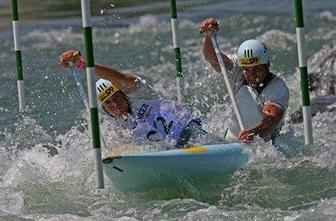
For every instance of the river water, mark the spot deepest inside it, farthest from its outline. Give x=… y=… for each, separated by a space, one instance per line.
x=46 y=164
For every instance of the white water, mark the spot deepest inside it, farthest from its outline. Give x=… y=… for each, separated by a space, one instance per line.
x=38 y=184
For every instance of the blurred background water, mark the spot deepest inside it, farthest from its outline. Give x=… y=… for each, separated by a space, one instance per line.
x=46 y=164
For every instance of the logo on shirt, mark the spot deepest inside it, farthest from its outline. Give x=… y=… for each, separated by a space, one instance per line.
x=143 y=111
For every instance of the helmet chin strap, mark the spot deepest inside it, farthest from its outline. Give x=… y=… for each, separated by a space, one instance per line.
x=128 y=109
x=261 y=85
x=257 y=85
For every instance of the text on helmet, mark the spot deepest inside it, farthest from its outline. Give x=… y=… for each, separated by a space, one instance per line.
x=249 y=61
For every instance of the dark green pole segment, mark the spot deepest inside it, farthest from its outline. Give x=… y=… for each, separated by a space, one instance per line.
x=88 y=46
x=90 y=64
x=95 y=127
x=178 y=62
x=18 y=56
x=15 y=14
x=173 y=9
x=306 y=109
x=19 y=73
x=304 y=86
x=299 y=13
x=90 y=76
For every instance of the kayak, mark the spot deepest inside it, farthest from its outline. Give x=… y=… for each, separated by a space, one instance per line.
x=194 y=166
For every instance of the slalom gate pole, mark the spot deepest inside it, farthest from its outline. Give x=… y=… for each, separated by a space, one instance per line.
x=306 y=108
x=90 y=74
x=17 y=48
x=178 y=61
x=84 y=98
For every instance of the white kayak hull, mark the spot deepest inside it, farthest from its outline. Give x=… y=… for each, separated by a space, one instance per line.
x=200 y=165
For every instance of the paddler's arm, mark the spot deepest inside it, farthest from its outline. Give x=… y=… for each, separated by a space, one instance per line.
x=272 y=116
x=210 y=25
x=121 y=80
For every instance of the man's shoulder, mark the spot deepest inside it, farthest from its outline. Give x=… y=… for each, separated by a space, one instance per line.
x=142 y=90
x=276 y=93
x=276 y=89
x=277 y=83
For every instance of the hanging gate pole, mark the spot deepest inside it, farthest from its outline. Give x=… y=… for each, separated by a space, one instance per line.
x=90 y=74
x=178 y=62
x=306 y=109
x=17 y=48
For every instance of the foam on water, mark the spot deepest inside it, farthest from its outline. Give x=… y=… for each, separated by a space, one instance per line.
x=46 y=163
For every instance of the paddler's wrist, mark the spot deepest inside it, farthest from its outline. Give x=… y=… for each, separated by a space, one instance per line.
x=80 y=64
x=256 y=131
x=79 y=60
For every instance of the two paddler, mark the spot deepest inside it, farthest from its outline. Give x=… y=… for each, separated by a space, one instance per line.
x=130 y=99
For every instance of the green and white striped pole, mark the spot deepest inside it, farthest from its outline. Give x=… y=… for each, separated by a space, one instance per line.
x=306 y=109
x=179 y=76
x=90 y=76
x=17 y=48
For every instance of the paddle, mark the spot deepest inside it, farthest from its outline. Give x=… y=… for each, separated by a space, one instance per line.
x=226 y=78
x=83 y=96
x=79 y=87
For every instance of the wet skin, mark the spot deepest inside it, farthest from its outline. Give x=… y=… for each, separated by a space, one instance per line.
x=255 y=75
x=117 y=105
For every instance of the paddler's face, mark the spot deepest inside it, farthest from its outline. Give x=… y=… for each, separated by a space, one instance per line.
x=117 y=105
x=255 y=75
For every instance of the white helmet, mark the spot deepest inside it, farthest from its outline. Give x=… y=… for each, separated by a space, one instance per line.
x=105 y=89
x=251 y=53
